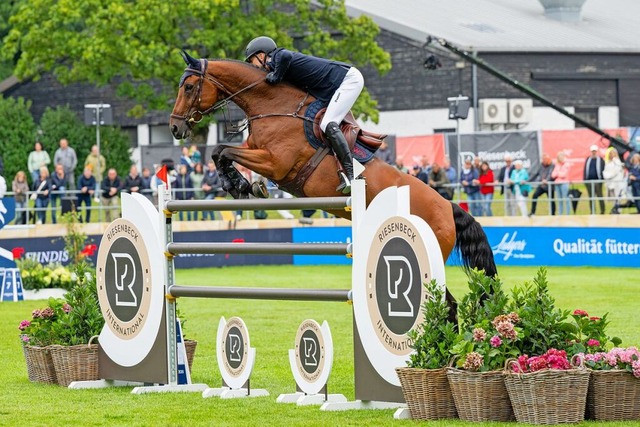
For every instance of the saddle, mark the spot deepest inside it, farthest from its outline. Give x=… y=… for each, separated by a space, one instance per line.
x=351 y=130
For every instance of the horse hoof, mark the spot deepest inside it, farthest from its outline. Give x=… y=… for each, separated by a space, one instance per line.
x=259 y=190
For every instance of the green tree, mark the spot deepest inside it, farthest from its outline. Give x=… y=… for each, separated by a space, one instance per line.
x=17 y=135
x=61 y=122
x=136 y=43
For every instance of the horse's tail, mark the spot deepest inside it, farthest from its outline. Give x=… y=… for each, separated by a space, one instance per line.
x=472 y=243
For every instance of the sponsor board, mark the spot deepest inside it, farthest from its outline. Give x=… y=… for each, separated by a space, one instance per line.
x=321 y=235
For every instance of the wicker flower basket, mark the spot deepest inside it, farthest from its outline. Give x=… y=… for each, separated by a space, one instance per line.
x=427 y=393
x=190 y=347
x=75 y=363
x=480 y=396
x=39 y=364
x=613 y=396
x=549 y=396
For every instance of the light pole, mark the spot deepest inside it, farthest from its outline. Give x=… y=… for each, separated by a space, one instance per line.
x=458 y=109
x=96 y=115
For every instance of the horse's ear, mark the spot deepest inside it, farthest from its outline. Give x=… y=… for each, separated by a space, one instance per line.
x=190 y=60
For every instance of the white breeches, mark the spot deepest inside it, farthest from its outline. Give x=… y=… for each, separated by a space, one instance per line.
x=344 y=98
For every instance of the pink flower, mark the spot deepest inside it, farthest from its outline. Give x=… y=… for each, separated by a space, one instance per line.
x=513 y=317
x=66 y=308
x=25 y=338
x=495 y=341
x=635 y=366
x=594 y=318
x=506 y=330
x=580 y=313
x=593 y=343
x=36 y=314
x=24 y=325
x=479 y=334
x=47 y=313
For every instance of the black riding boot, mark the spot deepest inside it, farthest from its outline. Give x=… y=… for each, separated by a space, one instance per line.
x=343 y=153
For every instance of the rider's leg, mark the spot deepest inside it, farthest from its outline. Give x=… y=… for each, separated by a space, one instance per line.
x=340 y=104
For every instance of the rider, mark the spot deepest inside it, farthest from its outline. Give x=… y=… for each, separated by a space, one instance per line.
x=335 y=83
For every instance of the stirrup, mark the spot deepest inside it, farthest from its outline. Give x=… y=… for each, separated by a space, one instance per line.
x=345 y=184
x=259 y=190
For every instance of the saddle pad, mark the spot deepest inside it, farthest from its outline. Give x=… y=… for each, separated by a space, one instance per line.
x=360 y=152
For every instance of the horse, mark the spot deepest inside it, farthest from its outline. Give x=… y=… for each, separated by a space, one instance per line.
x=278 y=150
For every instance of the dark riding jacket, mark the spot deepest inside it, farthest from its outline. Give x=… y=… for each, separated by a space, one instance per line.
x=318 y=76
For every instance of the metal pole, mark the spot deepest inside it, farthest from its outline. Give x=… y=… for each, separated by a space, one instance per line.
x=323 y=203
x=459 y=159
x=338 y=295
x=260 y=248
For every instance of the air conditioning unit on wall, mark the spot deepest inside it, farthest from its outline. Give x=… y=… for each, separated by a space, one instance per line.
x=520 y=110
x=493 y=111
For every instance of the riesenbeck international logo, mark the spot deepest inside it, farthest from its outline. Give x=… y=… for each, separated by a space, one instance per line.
x=124 y=279
x=235 y=346
x=310 y=350
x=396 y=270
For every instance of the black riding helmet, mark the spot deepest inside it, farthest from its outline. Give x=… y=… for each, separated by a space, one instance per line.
x=259 y=44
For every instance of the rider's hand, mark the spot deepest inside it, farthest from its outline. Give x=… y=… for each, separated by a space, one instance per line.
x=272 y=78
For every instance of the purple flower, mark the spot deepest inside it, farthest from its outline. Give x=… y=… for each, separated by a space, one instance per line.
x=25 y=338
x=495 y=341
x=47 y=313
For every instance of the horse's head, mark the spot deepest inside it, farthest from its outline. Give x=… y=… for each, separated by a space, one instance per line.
x=195 y=98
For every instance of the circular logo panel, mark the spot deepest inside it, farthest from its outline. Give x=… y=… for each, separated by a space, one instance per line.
x=397 y=267
x=124 y=279
x=310 y=350
x=235 y=346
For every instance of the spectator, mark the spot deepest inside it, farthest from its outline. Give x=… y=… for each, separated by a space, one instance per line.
x=560 y=177
x=146 y=183
x=400 y=165
x=487 y=188
x=133 y=181
x=544 y=177
x=519 y=180
x=185 y=159
x=425 y=169
x=58 y=188
x=212 y=187
x=385 y=153
x=613 y=173
x=195 y=155
x=37 y=158
x=634 y=179
x=477 y=162
x=451 y=172
x=98 y=166
x=110 y=188
x=197 y=175
x=42 y=187
x=20 y=189
x=506 y=189
x=66 y=156
x=183 y=187
x=471 y=186
x=593 y=167
x=415 y=170
x=438 y=181
x=87 y=188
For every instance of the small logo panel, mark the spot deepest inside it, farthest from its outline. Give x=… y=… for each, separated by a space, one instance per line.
x=310 y=350
x=235 y=346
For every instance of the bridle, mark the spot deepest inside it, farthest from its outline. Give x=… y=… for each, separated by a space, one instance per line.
x=196 y=115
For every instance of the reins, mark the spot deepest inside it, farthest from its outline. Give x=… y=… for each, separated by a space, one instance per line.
x=203 y=75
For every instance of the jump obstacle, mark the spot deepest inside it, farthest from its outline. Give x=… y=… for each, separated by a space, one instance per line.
x=393 y=251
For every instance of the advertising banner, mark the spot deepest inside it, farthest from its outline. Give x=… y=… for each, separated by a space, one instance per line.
x=321 y=235
x=492 y=147
x=556 y=246
x=412 y=148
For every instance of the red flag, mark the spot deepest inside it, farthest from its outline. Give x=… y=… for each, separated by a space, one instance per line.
x=162 y=175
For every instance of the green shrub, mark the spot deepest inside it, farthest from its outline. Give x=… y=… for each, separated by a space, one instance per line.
x=17 y=136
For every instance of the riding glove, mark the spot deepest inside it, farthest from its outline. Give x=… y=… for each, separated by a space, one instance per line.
x=272 y=78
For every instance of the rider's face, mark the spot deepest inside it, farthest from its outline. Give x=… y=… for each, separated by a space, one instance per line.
x=258 y=59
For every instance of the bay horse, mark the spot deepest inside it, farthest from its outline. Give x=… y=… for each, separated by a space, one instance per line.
x=278 y=150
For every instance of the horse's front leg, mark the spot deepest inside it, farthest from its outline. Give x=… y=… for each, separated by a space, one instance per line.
x=233 y=181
